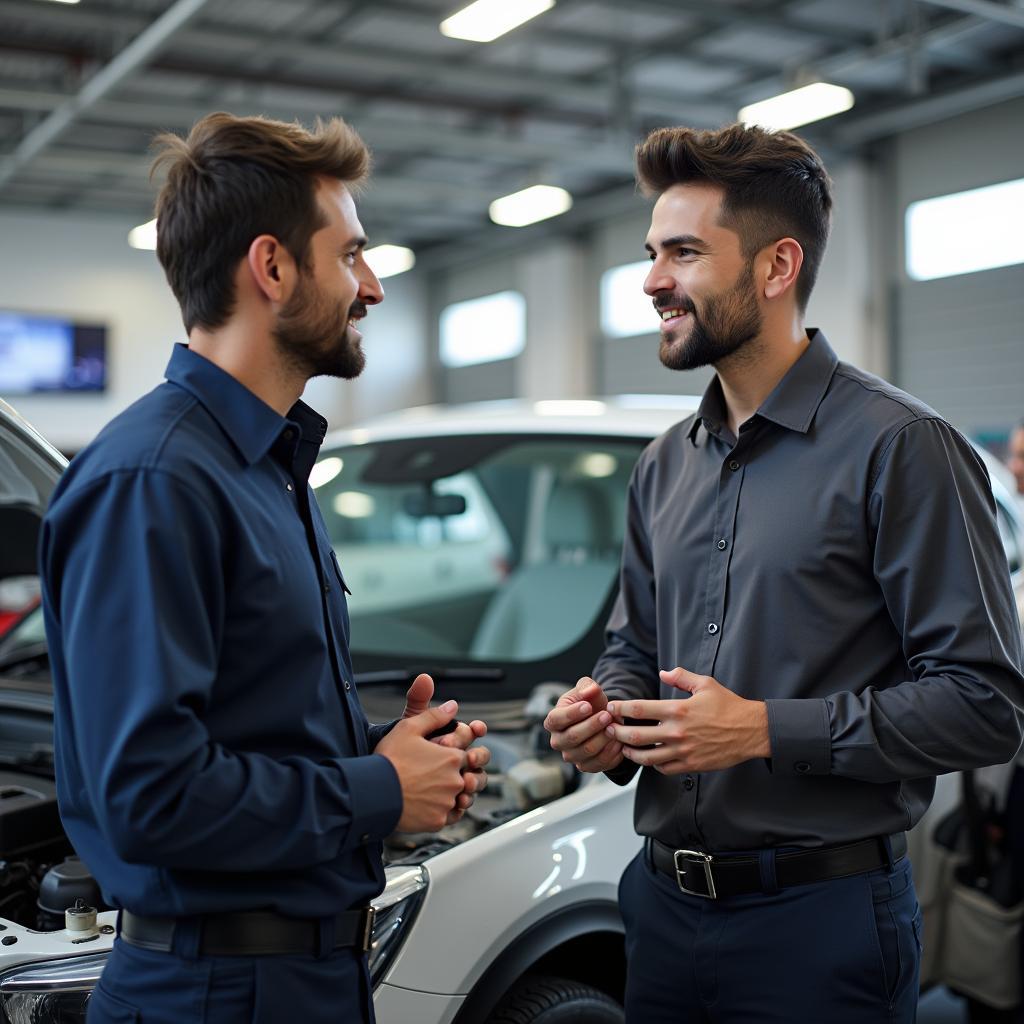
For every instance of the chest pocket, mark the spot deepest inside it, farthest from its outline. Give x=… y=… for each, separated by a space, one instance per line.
x=339 y=578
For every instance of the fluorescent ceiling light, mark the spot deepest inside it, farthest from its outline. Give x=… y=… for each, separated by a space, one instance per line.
x=354 y=504
x=65 y=1
x=801 y=106
x=143 y=236
x=538 y=202
x=389 y=260
x=485 y=20
x=965 y=232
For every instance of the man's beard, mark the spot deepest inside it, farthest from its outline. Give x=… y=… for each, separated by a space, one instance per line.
x=313 y=334
x=729 y=321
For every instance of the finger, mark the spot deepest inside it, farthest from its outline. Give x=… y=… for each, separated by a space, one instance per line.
x=682 y=679
x=591 y=751
x=454 y=816
x=460 y=738
x=473 y=782
x=638 y=735
x=608 y=758
x=577 y=735
x=479 y=728
x=654 y=756
x=559 y=719
x=590 y=690
x=477 y=758
x=433 y=718
x=418 y=696
x=648 y=709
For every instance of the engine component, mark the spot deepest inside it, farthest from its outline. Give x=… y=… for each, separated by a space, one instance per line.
x=532 y=782
x=61 y=887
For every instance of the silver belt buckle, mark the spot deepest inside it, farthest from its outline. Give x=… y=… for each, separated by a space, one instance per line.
x=700 y=858
x=371 y=915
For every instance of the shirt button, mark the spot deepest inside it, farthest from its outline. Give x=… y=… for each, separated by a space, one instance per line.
x=688 y=782
x=348 y=686
x=365 y=837
x=712 y=628
x=722 y=545
x=733 y=465
x=802 y=766
x=289 y=434
x=287 y=487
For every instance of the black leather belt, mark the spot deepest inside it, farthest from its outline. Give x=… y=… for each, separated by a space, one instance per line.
x=715 y=877
x=252 y=932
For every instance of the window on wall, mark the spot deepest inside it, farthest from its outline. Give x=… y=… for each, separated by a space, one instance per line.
x=966 y=232
x=483 y=330
x=625 y=309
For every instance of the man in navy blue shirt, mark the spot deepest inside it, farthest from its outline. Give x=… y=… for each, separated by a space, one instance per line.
x=214 y=767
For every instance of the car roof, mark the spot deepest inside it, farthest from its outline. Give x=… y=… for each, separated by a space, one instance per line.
x=641 y=416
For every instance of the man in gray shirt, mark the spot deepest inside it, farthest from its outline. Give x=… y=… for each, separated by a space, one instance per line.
x=811 y=561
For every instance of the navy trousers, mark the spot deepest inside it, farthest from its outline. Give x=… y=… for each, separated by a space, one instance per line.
x=143 y=987
x=846 y=951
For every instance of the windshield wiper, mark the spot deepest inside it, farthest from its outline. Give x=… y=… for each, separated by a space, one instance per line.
x=481 y=674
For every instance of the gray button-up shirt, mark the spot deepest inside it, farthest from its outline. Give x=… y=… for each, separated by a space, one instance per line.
x=839 y=560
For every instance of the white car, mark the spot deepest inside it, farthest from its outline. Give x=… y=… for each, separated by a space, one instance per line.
x=498 y=529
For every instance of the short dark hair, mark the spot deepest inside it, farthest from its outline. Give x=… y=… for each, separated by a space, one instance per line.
x=774 y=185
x=233 y=179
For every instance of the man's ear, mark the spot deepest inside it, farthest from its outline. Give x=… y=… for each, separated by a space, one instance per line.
x=272 y=268
x=785 y=258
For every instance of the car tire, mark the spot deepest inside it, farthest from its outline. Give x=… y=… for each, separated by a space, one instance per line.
x=541 y=999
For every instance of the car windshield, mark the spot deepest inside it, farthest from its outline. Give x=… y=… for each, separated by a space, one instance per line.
x=486 y=549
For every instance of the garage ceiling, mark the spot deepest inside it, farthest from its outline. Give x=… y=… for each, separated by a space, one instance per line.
x=453 y=124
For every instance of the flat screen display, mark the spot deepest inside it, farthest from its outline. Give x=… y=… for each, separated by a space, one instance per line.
x=50 y=354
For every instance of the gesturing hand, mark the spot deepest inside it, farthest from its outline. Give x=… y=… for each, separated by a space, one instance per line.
x=577 y=723
x=417 y=700
x=715 y=728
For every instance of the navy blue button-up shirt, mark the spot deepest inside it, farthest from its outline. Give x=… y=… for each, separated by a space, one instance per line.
x=209 y=753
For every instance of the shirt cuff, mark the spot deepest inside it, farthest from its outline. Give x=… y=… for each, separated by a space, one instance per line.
x=800 y=736
x=375 y=795
x=622 y=773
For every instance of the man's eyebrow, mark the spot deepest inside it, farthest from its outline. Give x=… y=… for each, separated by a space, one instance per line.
x=677 y=240
x=358 y=242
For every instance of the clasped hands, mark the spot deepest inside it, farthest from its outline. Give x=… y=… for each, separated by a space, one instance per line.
x=441 y=776
x=713 y=729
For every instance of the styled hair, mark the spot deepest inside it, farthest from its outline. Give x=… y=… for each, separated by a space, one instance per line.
x=774 y=185
x=233 y=179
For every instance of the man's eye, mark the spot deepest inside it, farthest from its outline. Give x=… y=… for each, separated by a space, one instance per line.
x=349 y=258
x=687 y=252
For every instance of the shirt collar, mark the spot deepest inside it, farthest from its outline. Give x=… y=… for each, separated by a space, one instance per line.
x=793 y=402
x=251 y=425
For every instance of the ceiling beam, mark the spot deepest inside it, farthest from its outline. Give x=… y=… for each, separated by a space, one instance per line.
x=937 y=107
x=137 y=53
x=587 y=150
x=1002 y=13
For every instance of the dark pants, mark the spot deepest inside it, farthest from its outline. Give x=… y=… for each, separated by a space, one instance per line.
x=143 y=987
x=846 y=951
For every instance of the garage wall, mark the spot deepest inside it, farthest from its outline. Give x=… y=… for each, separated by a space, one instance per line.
x=959 y=341
x=83 y=267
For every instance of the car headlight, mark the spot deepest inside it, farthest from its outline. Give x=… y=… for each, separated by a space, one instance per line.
x=396 y=908
x=56 y=992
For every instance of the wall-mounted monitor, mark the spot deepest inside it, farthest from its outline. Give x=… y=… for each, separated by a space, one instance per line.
x=48 y=354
